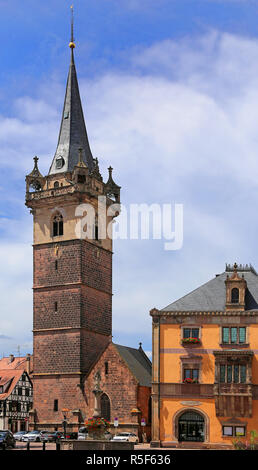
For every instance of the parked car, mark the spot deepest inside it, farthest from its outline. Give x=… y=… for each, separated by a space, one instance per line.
x=18 y=435
x=7 y=439
x=32 y=436
x=44 y=436
x=54 y=436
x=82 y=434
x=51 y=436
x=71 y=435
x=126 y=436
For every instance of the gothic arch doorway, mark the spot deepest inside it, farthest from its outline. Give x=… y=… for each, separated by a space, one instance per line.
x=191 y=427
x=105 y=406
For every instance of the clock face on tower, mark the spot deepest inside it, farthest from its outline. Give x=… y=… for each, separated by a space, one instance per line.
x=59 y=163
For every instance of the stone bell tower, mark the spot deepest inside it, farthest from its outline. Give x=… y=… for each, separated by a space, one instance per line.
x=72 y=281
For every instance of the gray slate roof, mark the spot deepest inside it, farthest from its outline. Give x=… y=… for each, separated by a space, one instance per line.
x=73 y=134
x=212 y=295
x=138 y=363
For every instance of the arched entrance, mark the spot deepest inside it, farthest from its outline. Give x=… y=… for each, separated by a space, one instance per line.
x=191 y=427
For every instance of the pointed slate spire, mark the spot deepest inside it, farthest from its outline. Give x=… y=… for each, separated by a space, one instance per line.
x=73 y=134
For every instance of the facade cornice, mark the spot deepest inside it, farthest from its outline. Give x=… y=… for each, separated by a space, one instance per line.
x=161 y=313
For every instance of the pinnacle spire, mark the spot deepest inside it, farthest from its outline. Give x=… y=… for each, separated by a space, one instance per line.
x=73 y=134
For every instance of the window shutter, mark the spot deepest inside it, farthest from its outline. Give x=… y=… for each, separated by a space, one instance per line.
x=242 y=335
x=236 y=374
x=195 y=333
x=234 y=335
x=187 y=333
x=222 y=373
x=229 y=374
x=225 y=335
x=243 y=374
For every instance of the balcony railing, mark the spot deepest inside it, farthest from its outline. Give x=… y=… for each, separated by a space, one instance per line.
x=181 y=390
x=233 y=389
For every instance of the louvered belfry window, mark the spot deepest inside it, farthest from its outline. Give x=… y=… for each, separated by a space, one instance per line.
x=58 y=225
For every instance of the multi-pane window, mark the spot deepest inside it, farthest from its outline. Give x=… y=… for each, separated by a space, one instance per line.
x=234 y=335
x=232 y=373
x=233 y=431
x=192 y=374
x=190 y=333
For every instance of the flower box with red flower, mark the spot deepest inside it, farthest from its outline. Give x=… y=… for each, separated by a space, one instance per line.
x=93 y=423
x=96 y=428
x=188 y=341
x=188 y=380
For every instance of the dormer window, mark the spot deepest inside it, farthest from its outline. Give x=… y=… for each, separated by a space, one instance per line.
x=235 y=290
x=58 y=225
x=235 y=296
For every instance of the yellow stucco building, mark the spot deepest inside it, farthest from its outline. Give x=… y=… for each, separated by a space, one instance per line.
x=205 y=370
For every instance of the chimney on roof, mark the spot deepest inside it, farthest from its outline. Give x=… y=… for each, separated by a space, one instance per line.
x=28 y=364
x=11 y=358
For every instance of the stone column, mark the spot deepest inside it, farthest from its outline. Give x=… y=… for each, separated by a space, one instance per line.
x=155 y=429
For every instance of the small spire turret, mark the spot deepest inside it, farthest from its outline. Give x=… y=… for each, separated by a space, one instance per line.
x=34 y=180
x=112 y=190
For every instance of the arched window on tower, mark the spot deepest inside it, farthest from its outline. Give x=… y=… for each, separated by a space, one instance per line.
x=58 y=225
x=105 y=406
x=235 y=296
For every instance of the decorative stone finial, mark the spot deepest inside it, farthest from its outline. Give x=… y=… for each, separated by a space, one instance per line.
x=80 y=161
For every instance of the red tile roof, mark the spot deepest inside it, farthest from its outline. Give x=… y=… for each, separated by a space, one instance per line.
x=16 y=363
x=5 y=376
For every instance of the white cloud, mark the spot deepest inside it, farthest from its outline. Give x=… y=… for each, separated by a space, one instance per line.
x=180 y=126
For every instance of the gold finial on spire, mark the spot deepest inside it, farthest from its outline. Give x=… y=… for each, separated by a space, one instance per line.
x=72 y=44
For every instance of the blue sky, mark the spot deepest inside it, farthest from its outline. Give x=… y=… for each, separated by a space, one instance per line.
x=170 y=96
